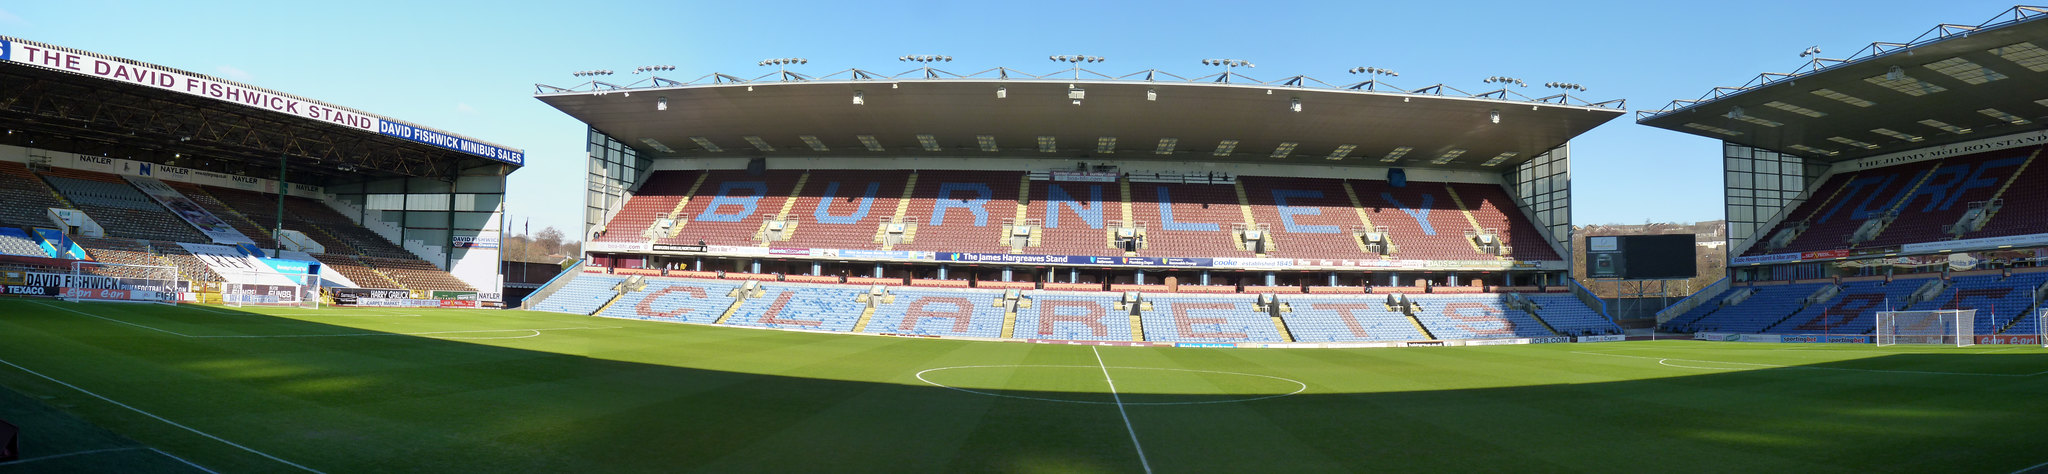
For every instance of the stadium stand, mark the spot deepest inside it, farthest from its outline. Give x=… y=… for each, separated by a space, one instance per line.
x=1346 y=319
x=1074 y=317
x=1927 y=197
x=655 y=199
x=1424 y=222
x=1207 y=319
x=583 y=295
x=109 y=200
x=356 y=271
x=962 y=211
x=119 y=250
x=844 y=209
x=1075 y=216
x=189 y=266
x=1766 y=306
x=944 y=313
x=241 y=224
x=24 y=199
x=730 y=207
x=1186 y=219
x=810 y=308
x=1493 y=209
x=692 y=301
x=1475 y=317
x=1570 y=317
x=13 y=241
x=416 y=274
x=1310 y=218
x=1850 y=311
x=1998 y=299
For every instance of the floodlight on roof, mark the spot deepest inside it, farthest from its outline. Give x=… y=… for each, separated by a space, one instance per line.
x=662 y=67
x=1504 y=81
x=1493 y=115
x=661 y=103
x=859 y=98
x=592 y=72
x=1002 y=93
x=1294 y=105
x=1374 y=71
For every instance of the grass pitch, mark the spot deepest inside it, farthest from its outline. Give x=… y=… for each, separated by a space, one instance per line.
x=146 y=388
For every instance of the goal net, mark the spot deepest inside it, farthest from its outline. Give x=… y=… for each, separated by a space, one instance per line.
x=106 y=281
x=270 y=289
x=1956 y=327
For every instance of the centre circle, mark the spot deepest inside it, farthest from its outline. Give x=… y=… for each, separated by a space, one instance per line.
x=1122 y=376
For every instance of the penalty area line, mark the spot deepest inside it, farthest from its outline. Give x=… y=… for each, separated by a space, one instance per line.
x=1120 y=410
x=162 y=419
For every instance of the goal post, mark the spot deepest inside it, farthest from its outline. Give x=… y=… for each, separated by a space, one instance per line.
x=270 y=289
x=107 y=281
x=1956 y=327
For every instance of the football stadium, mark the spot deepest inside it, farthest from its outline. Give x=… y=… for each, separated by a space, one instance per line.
x=1092 y=269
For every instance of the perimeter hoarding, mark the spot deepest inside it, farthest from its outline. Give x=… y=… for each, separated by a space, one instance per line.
x=108 y=68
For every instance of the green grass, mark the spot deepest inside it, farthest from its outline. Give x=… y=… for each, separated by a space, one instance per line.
x=357 y=390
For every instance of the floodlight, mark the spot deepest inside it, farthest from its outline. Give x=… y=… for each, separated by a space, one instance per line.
x=1494 y=115
x=859 y=98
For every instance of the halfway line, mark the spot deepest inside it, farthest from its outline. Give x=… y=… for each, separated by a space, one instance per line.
x=1120 y=410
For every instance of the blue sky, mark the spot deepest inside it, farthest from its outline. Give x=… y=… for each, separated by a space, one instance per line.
x=469 y=67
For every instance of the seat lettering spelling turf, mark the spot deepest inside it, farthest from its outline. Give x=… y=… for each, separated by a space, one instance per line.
x=1421 y=214
x=775 y=314
x=1091 y=314
x=1871 y=204
x=1479 y=318
x=867 y=200
x=1166 y=216
x=647 y=305
x=1058 y=197
x=742 y=194
x=1186 y=323
x=955 y=308
x=1287 y=212
x=977 y=204
x=1344 y=313
x=1848 y=309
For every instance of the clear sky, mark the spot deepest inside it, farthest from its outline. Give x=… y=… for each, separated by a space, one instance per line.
x=469 y=67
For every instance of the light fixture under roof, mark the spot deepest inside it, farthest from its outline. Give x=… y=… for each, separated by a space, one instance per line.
x=706 y=144
x=759 y=144
x=1105 y=145
x=1844 y=98
x=1759 y=121
x=1452 y=154
x=987 y=142
x=1964 y=70
x=1285 y=148
x=1223 y=148
x=1853 y=142
x=812 y=141
x=927 y=141
x=1166 y=146
x=1503 y=157
x=869 y=142
x=1711 y=128
x=1046 y=144
x=1341 y=152
x=1896 y=134
x=2001 y=115
x=1396 y=155
x=1816 y=151
x=1795 y=109
x=2027 y=55
x=1905 y=84
x=1944 y=126
x=657 y=146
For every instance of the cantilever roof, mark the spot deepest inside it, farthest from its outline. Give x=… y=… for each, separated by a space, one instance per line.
x=1954 y=83
x=968 y=117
